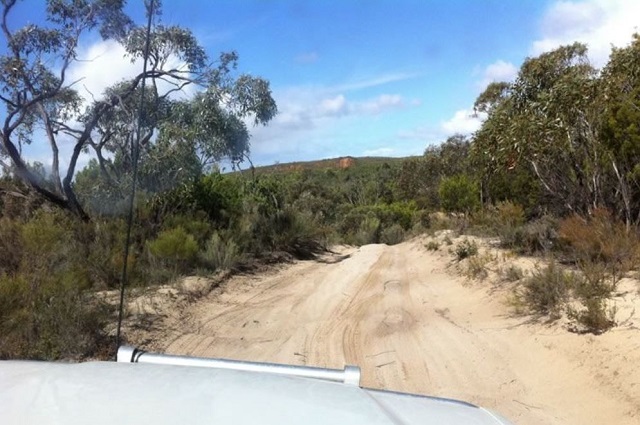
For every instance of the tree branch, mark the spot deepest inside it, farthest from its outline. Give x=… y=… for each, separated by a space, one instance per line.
x=55 y=163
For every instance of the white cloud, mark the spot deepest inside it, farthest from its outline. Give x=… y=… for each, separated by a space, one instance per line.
x=497 y=72
x=421 y=134
x=598 y=23
x=381 y=103
x=307 y=58
x=310 y=118
x=101 y=65
x=464 y=121
x=333 y=107
x=314 y=112
x=379 y=152
x=376 y=81
x=339 y=106
x=308 y=108
x=104 y=63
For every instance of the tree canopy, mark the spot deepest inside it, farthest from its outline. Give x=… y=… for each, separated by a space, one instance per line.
x=574 y=127
x=43 y=108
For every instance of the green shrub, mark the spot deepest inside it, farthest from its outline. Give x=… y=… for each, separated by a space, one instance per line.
x=595 y=281
x=423 y=219
x=400 y=213
x=263 y=229
x=52 y=248
x=477 y=267
x=512 y=273
x=459 y=194
x=368 y=232
x=392 y=235
x=604 y=249
x=466 y=249
x=49 y=319
x=175 y=247
x=432 y=246
x=220 y=254
x=546 y=290
x=195 y=224
x=298 y=234
x=536 y=237
x=105 y=253
x=506 y=220
x=592 y=289
x=594 y=317
x=10 y=246
x=45 y=241
x=219 y=196
x=601 y=239
x=509 y=215
x=46 y=310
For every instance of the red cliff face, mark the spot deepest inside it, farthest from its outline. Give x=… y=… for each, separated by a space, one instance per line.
x=346 y=162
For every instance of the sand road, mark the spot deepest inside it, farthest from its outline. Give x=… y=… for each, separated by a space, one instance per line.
x=403 y=315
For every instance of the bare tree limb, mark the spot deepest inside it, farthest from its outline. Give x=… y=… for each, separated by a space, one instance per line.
x=55 y=162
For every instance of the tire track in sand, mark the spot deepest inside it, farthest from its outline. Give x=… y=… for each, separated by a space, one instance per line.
x=412 y=326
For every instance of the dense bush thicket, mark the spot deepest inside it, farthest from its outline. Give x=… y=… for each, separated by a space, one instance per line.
x=52 y=263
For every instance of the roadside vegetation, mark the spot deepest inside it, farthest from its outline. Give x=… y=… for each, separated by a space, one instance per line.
x=553 y=173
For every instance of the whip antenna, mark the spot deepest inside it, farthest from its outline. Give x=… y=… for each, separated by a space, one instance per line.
x=135 y=154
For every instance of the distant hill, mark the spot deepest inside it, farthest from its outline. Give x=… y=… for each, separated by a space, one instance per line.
x=332 y=163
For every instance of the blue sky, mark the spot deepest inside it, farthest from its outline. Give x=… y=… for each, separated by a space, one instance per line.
x=364 y=77
x=375 y=77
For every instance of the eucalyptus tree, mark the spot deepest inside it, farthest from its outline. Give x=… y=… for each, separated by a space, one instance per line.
x=548 y=120
x=620 y=129
x=43 y=108
x=420 y=177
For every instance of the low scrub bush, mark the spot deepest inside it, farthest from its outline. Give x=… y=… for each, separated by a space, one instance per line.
x=459 y=194
x=603 y=249
x=602 y=239
x=595 y=281
x=219 y=253
x=440 y=221
x=512 y=273
x=507 y=220
x=300 y=235
x=46 y=310
x=386 y=215
x=196 y=225
x=547 y=289
x=477 y=266
x=368 y=232
x=105 y=254
x=422 y=219
x=174 y=247
x=466 y=249
x=267 y=230
x=509 y=214
x=10 y=246
x=392 y=235
x=48 y=314
x=536 y=237
x=432 y=246
x=594 y=317
x=593 y=289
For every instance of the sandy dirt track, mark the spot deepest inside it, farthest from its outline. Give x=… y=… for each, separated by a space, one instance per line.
x=412 y=324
